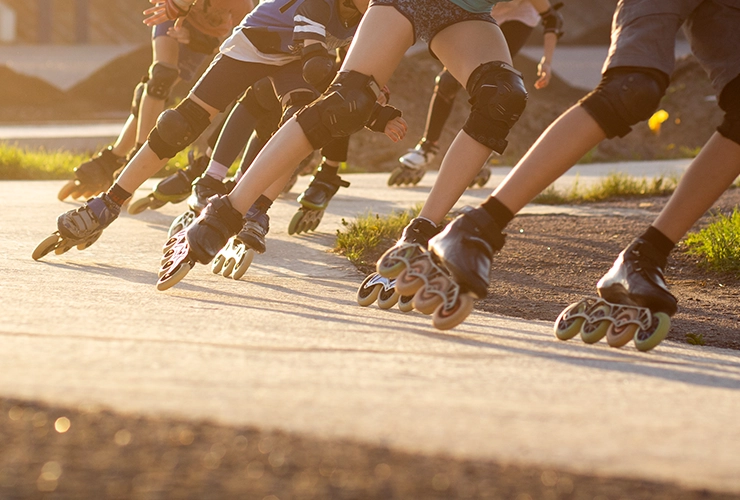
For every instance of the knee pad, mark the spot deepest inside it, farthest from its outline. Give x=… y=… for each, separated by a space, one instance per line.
x=295 y=101
x=178 y=128
x=262 y=103
x=498 y=98
x=729 y=102
x=336 y=149
x=446 y=86
x=343 y=109
x=624 y=97
x=161 y=80
x=138 y=94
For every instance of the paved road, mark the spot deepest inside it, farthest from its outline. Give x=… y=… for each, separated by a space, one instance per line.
x=288 y=348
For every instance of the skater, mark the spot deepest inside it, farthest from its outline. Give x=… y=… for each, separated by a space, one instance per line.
x=275 y=41
x=517 y=20
x=635 y=302
x=178 y=50
x=465 y=38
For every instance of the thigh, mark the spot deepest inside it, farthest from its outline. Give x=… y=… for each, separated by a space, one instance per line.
x=714 y=32
x=516 y=34
x=226 y=79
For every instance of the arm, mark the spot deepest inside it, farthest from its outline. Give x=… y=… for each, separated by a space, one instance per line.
x=166 y=10
x=552 y=23
x=309 y=33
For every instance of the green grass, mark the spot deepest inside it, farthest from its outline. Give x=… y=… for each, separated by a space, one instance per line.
x=23 y=164
x=363 y=239
x=719 y=243
x=615 y=185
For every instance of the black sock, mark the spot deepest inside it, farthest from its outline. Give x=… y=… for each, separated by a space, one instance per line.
x=263 y=203
x=118 y=195
x=501 y=215
x=660 y=241
x=329 y=170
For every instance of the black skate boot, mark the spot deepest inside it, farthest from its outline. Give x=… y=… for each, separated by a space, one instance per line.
x=203 y=189
x=94 y=176
x=172 y=189
x=200 y=242
x=413 y=165
x=314 y=200
x=236 y=257
x=80 y=227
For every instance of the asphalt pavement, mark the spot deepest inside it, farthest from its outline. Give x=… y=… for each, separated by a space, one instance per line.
x=288 y=348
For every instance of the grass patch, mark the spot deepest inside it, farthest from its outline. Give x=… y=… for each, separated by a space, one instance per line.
x=23 y=164
x=367 y=237
x=719 y=243
x=615 y=185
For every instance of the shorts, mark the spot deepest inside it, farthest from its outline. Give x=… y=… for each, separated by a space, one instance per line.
x=188 y=61
x=429 y=17
x=644 y=35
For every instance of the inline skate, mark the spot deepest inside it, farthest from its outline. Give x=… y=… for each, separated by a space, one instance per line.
x=413 y=165
x=200 y=242
x=92 y=177
x=80 y=227
x=202 y=190
x=633 y=304
x=481 y=178
x=314 y=200
x=172 y=189
x=376 y=287
x=236 y=257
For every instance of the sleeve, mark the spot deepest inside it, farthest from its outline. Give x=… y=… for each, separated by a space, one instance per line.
x=310 y=21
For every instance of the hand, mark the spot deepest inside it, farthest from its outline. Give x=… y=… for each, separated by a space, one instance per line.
x=396 y=129
x=544 y=72
x=157 y=14
x=179 y=32
x=166 y=10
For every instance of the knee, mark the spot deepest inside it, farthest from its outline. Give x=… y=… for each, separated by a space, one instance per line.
x=624 y=97
x=161 y=80
x=498 y=98
x=729 y=101
x=295 y=101
x=446 y=86
x=343 y=109
x=178 y=128
x=262 y=103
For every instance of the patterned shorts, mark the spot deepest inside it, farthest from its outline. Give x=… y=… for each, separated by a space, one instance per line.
x=429 y=17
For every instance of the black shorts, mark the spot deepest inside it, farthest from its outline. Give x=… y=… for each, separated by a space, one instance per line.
x=429 y=17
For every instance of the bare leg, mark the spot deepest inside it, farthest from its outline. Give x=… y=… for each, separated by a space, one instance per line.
x=146 y=162
x=559 y=147
x=126 y=139
x=462 y=48
x=708 y=176
x=165 y=51
x=382 y=39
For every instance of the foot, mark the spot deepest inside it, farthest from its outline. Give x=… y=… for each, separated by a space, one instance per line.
x=210 y=232
x=256 y=227
x=92 y=217
x=321 y=189
x=179 y=185
x=203 y=189
x=419 y=157
x=97 y=173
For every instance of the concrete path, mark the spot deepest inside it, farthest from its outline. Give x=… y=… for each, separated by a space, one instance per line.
x=288 y=348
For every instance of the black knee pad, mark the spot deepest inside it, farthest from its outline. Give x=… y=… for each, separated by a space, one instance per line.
x=729 y=101
x=498 y=98
x=161 y=80
x=342 y=110
x=446 y=86
x=178 y=128
x=262 y=103
x=295 y=101
x=624 y=97
x=138 y=94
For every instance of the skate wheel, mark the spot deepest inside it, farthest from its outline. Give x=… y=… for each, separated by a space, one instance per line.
x=228 y=267
x=294 y=222
x=648 y=339
x=68 y=188
x=139 y=205
x=218 y=264
x=619 y=336
x=408 y=284
x=63 y=246
x=425 y=300
x=406 y=303
x=243 y=265
x=566 y=327
x=447 y=319
x=46 y=246
x=592 y=332
x=87 y=244
x=156 y=203
x=366 y=295
x=390 y=265
x=387 y=298
x=393 y=179
x=172 y=277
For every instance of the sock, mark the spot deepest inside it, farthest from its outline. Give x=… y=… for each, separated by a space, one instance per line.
x=501 y=215
x=216 y=170
x=660 y=241
x=118 y=195
x=329 y=170
x=263 y=203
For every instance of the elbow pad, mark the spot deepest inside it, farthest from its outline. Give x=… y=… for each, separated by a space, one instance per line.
x=318 y=65
x=552 y=20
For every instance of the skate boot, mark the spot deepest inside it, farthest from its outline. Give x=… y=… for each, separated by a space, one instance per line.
x=200 y=242
x=413 y=165
x=92 y=177
x=172 y=189
x=234 y=260
x=481 y=177
x=80 y=227
x=314 y=201
x=634 y=303
x=202 y=190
